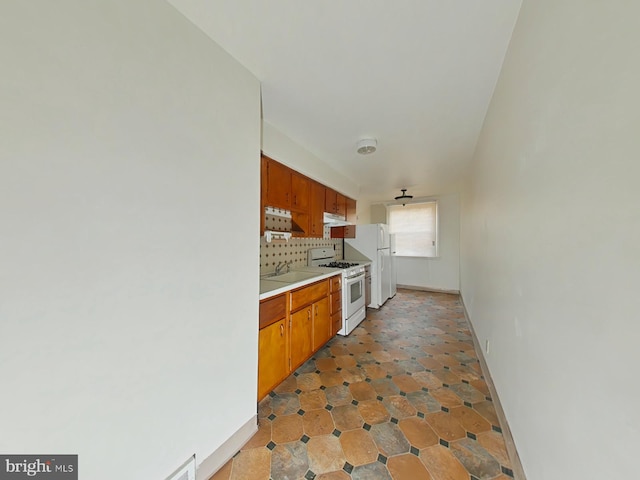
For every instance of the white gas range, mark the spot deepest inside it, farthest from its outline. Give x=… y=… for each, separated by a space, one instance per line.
x=353 y=277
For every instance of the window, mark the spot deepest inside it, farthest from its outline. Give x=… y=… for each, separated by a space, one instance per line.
x=415 y=227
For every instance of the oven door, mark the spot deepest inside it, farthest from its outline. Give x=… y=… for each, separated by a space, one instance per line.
x=353 y=294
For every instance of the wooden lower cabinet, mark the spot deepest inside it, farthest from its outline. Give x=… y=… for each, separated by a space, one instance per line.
x=294 y=326
x=301 y=324
x=321 y=323
x=273 y=364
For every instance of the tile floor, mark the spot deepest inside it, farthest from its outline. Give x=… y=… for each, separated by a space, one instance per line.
x=402 y=397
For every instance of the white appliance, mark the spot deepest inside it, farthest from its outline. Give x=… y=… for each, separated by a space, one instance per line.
x=372 y=243
x=394 y=266
x=353 y=288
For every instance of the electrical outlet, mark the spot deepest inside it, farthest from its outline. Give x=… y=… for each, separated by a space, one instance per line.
x=486 y=346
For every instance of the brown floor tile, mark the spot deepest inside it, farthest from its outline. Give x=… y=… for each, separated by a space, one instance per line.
x=392 y=368
x=353 y=375
x=418 y=432
x=447 y=427
x=442 y=464
x=339 y=475
x=287 y=428
x=430 y=363
x=373 y=412
x=481 y=386
x=254 y=464
x=475 y=459
x=346 y=417
x=406 y=383
x=447 y=360
x=399 y=407
x=389 y=439
x=289 y=461
x=345 y=361
x=447 y=376
x=470 y=420
x=407 y=467
x=371 y=471
x=493 y=442
x=398 y=354
x=385 y=387
x=465 y=372
x=374 y=371
x=309 y=381
x=261 y=437
x=358 y=447
x=362 y=391
x=325 y=454
x=224 y=473
x=382 y=356
x=488 y=411
x=467 y=393
x=339 y=350
x=423 y=402
x=289 y=385
x=446 y=397
x=338 y=395
x=331 y=378
x=324 y=364
x=285 y=404
x=317 y=422
x=313 y=399
x=427 y=380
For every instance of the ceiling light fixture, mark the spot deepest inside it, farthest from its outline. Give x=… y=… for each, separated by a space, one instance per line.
x=367 y=146
x=404 y=197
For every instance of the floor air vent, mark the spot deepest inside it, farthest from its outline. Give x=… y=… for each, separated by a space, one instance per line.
x=186 y=472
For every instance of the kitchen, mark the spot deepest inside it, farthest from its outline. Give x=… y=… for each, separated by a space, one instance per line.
x=116 y=272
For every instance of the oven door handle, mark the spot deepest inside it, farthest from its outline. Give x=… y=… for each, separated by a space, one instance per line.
x=353 y=277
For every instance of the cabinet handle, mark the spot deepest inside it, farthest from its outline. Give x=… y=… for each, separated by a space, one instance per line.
x=281 y=330
x=316 y=310
x=309 y=314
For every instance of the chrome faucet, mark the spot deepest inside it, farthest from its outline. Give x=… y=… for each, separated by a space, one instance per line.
x=281 y=265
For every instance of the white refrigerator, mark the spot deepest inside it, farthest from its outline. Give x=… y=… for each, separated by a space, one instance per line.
x=372 y=243
x=394 y=266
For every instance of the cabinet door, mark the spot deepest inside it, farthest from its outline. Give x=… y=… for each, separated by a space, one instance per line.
x=351 y=210
x=317 y=210
x=331 y=201
x=273 y=364
x=321 y=323
x=278 y=185
x=341 y=206
x=300 y=192
x=301 y=336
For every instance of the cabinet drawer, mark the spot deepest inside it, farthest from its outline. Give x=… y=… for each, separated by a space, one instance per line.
x=336 y=283
x=336 y=302
x=306 y=295
x=272 y=310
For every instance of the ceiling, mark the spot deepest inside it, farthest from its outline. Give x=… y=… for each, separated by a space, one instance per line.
x=417 y=75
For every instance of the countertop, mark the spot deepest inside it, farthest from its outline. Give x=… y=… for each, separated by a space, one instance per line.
x=270 y=286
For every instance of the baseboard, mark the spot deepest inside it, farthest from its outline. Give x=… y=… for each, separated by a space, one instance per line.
x=428 y=289
x=516 y=464
x=228 y=449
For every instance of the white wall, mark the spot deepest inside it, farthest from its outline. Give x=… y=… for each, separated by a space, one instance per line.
x=550 y=238
x=282 y=148
x=442 y=272
x=123 y=338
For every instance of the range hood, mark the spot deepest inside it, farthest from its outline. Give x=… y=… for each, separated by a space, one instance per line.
x=334 y=220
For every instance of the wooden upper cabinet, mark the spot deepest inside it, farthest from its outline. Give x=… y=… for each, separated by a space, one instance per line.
x=300 y=192
x=341 y=206
x=278 y=185
x=316 y=213
x=330 y=200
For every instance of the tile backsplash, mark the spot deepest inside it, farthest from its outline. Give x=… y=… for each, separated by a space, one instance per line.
x=294 y=250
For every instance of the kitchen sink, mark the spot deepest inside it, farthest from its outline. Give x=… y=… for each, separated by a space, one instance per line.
x=292 y=277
